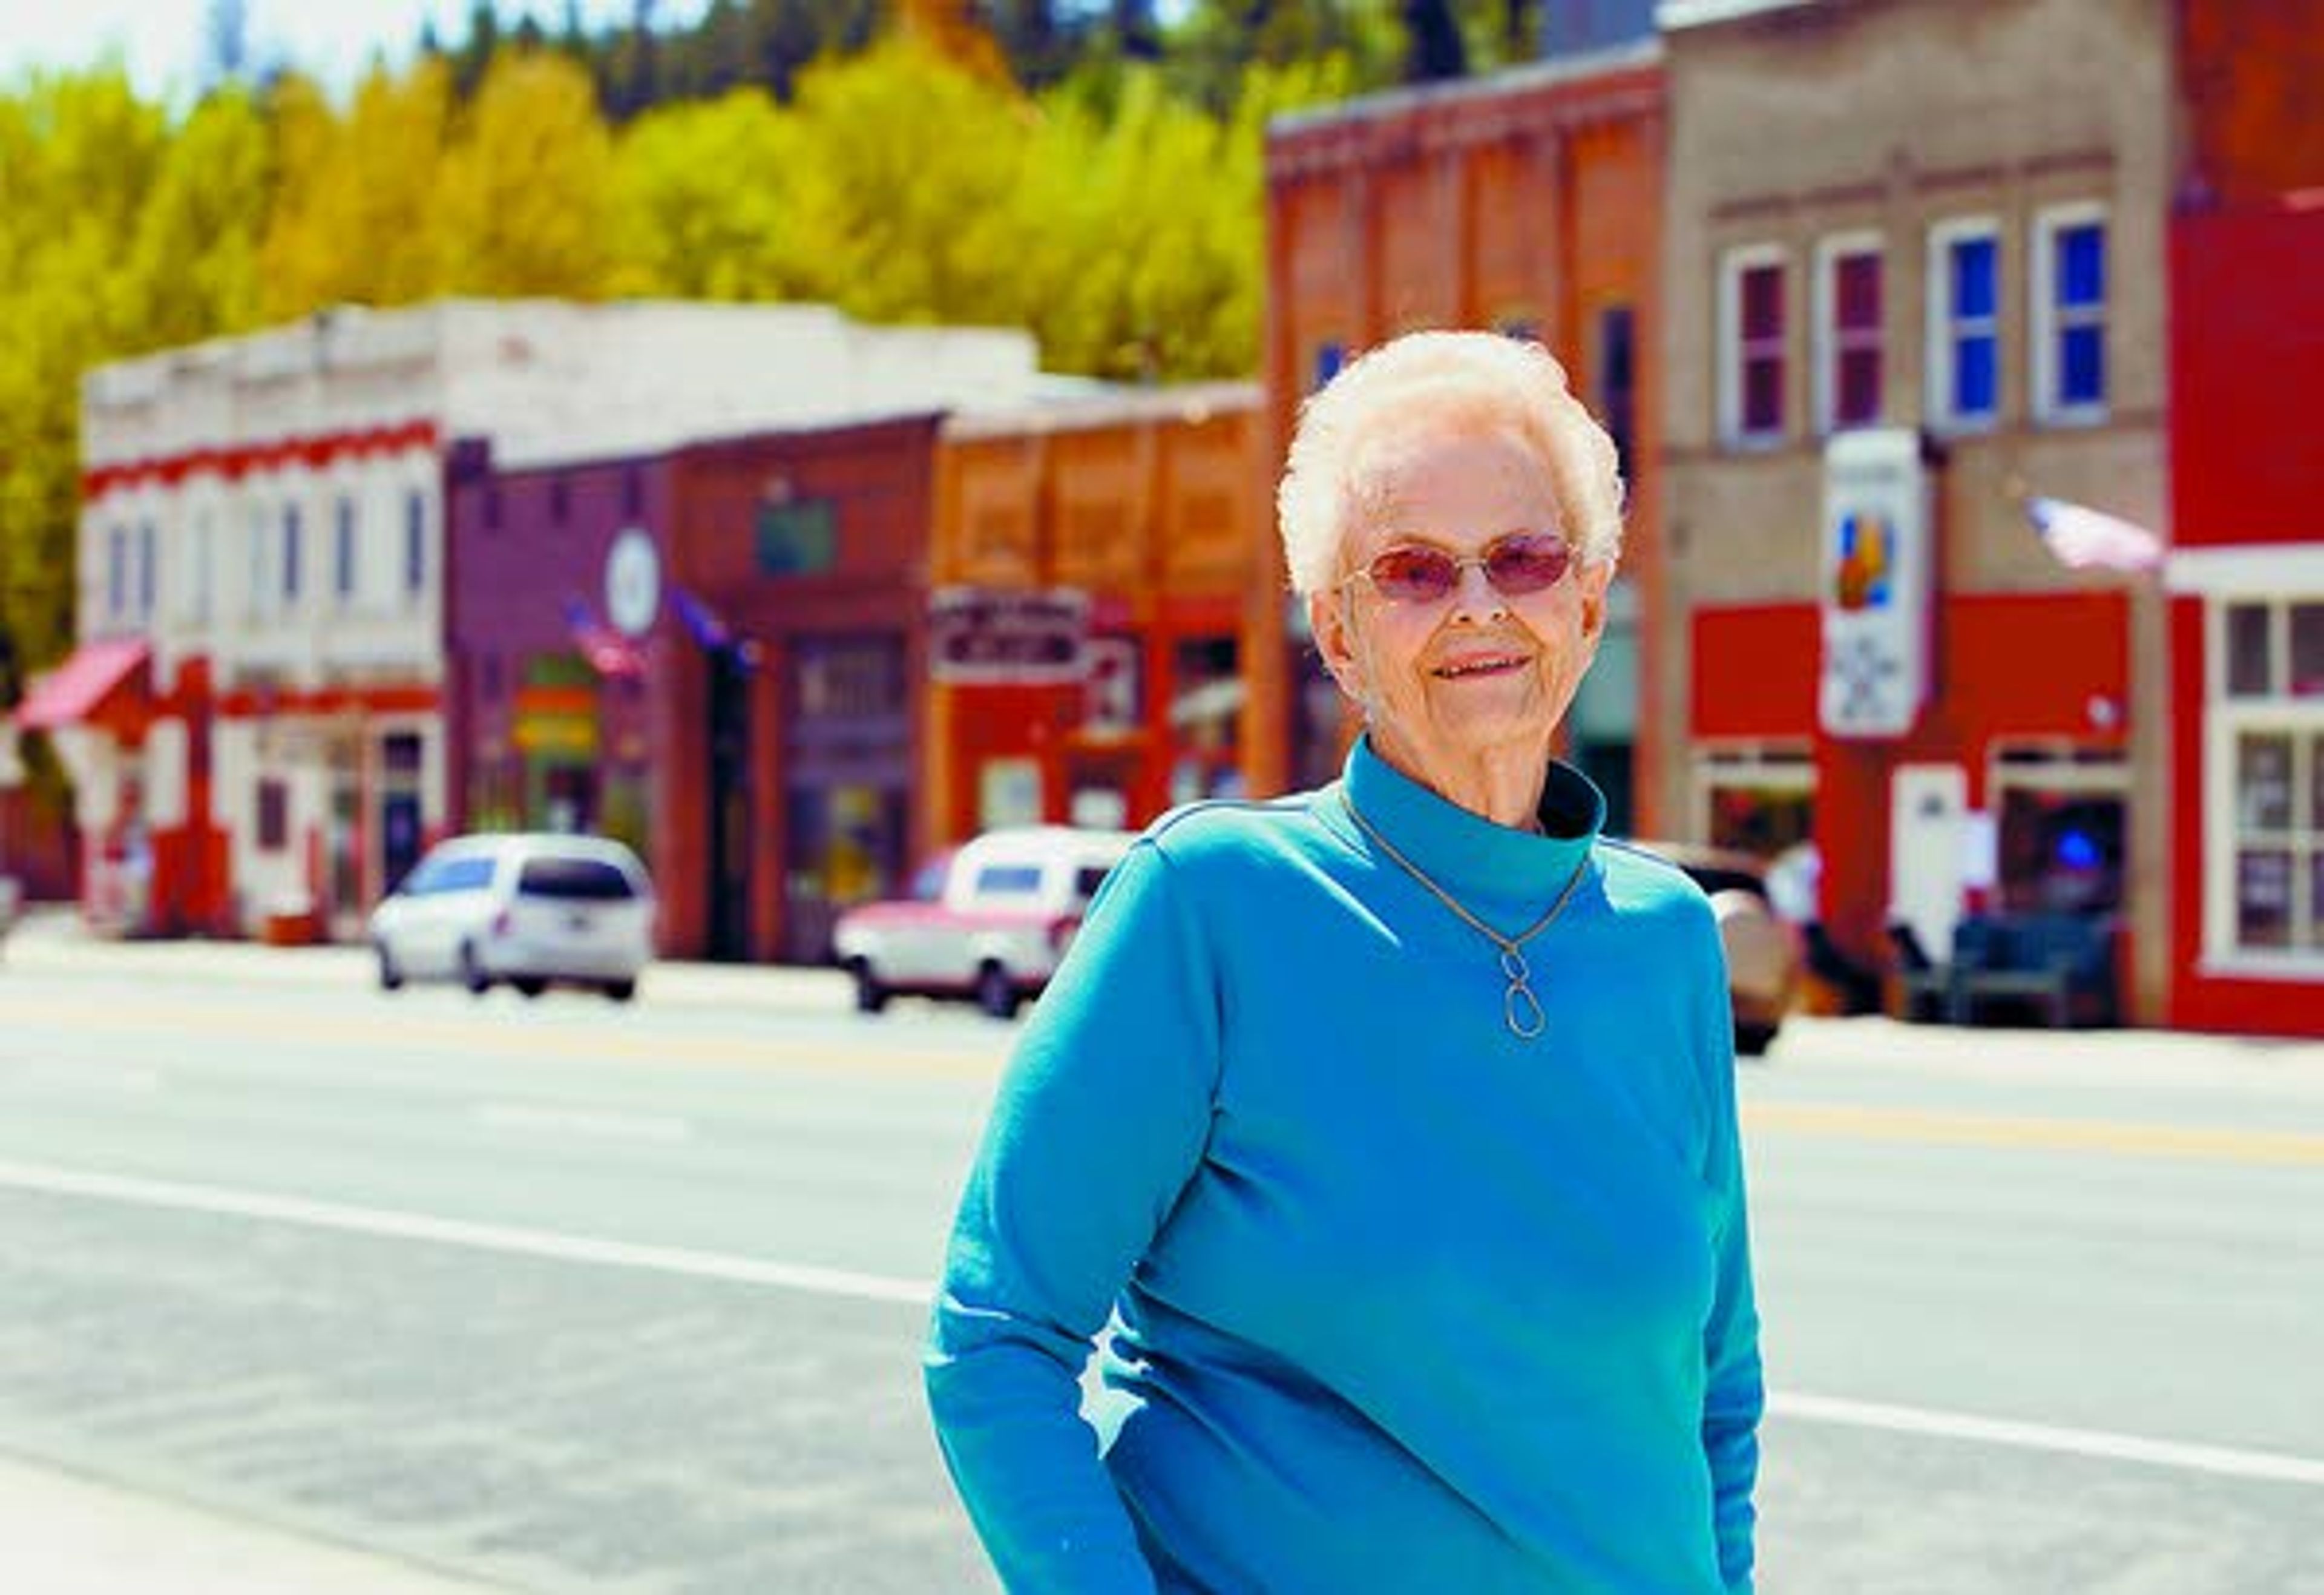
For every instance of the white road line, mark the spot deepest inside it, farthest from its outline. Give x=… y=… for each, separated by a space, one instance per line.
x=83 y=1079
x=413 y=1226
x=2089 y=1442
x=839 y=1282
x=583 y=1121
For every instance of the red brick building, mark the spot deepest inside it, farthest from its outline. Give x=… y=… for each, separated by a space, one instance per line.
x=1530 y=202
x=2247 y=567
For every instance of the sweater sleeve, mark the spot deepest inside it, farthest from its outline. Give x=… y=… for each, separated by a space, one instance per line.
x=1733 y=1394
x=1101 y=1118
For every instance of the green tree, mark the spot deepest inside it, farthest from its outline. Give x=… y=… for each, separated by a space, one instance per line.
x=705 y=206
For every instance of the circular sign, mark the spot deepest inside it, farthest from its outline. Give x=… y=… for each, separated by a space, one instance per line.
x=632 y=583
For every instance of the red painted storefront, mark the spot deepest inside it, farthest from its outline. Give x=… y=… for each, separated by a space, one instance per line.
x=2247 y=513
x=2011 y=668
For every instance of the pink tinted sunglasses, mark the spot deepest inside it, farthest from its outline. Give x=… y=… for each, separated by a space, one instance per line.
x=1422 y=573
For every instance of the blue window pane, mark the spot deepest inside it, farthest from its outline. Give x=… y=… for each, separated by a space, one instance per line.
x=116 y=571
x=290 y=553
x=1973 y=279
x=146 y=568
x=1328 y=358
x=1974 y=372
x=2082 y=365
x=2082 y=266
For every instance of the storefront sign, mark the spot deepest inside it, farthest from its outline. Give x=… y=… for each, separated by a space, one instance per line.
x=979 y=634
x=1879 y=581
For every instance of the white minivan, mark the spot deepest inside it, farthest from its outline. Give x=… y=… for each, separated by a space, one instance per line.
x=531 y=909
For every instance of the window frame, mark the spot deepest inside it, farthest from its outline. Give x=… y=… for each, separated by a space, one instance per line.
x=2051 y=323
x=1946 y=329
x=2228 y=720
x=1734 y=263
x=1827 y=342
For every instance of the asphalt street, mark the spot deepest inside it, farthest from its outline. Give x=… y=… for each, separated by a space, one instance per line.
x=313 y=1289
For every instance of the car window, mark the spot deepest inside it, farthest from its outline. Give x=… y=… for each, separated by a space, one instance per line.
x=1714 y=878
x=592 y=881
x=1087 y=880
x=927 y=886
x=434 y=877
x=1009 y=881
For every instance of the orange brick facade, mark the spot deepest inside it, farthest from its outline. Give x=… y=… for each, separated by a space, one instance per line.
x=1147 y=505
x=1529 y=204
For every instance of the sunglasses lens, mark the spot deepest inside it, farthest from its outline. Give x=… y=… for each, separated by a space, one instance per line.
x=1414 y=575
x=1528 y=562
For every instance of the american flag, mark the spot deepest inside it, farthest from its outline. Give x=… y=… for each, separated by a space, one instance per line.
x=2087 y=539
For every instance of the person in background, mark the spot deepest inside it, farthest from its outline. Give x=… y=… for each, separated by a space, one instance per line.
x=1391 y=1124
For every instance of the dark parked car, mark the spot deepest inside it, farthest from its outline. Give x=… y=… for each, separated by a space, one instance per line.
x=1763 y=948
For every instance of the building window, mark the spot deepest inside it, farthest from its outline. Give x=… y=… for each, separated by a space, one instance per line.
x=2070 y=315
x=1330 y=356
x=1964 y=324
x=2265 y=834
x=633 y=491
x=493 y=507
x=145 y=570
x=1617 y=382
x=290 y=540
x=198 y=591
x=116 y=572
x=342 y=550
x=273 y=817
x=1848 y=333
x=1751 y=346
x=560 y=501
x=415 y=541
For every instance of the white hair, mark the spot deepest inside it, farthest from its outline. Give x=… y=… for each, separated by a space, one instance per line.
x=1473 y=382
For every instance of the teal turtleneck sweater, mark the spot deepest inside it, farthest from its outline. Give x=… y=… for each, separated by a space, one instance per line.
x=1403 y=1301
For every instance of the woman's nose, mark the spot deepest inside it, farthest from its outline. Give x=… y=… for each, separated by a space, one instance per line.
x=1473 y=592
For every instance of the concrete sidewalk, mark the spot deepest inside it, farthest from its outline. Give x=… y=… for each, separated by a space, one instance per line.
x=68 y=1535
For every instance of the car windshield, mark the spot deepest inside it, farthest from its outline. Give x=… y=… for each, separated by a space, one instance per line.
x=580 y=880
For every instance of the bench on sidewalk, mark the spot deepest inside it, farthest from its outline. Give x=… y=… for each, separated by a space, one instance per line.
x=1924 y=987
x=2062 y=966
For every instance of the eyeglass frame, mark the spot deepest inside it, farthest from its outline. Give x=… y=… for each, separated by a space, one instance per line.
x=1482 y=559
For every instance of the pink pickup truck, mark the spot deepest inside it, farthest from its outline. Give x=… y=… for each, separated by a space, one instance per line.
x=988 y=922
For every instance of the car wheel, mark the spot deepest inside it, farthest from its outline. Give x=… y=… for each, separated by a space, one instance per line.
x=870 y=996
x=1751 y=1041
x=391 y=973
x=996 y=993
x=471 y=973
x=530 y=986
x=620 y=990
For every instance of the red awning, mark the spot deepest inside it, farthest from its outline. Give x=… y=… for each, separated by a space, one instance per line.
x=77 y=689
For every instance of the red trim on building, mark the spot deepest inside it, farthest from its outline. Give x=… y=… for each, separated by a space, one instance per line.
x=1755 y=671
x=245 y=703
x=233 y=461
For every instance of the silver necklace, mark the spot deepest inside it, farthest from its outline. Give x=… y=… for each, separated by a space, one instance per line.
x=1520 y=1009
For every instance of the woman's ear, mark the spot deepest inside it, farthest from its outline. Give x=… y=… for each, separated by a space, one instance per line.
x=1327 y=619
x=1595 y=579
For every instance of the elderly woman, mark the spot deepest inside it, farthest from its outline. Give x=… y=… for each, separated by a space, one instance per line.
x=1392 y=1125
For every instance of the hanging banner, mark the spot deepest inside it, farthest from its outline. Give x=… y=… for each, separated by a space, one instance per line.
x=1879 y=567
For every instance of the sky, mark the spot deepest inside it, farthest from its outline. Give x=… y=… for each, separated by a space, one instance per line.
x=162 y=41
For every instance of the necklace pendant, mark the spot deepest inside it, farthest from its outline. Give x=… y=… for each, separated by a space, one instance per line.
x=1522 y=1011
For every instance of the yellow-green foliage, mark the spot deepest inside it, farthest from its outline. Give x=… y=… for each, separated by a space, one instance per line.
x=1110 y=215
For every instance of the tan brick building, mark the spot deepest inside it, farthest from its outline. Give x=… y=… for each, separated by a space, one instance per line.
x=1940 y=223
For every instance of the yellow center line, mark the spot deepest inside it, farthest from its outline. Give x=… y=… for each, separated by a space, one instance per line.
x=1930 y=1127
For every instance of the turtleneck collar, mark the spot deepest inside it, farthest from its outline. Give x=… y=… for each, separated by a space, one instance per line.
x=1463 y=852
